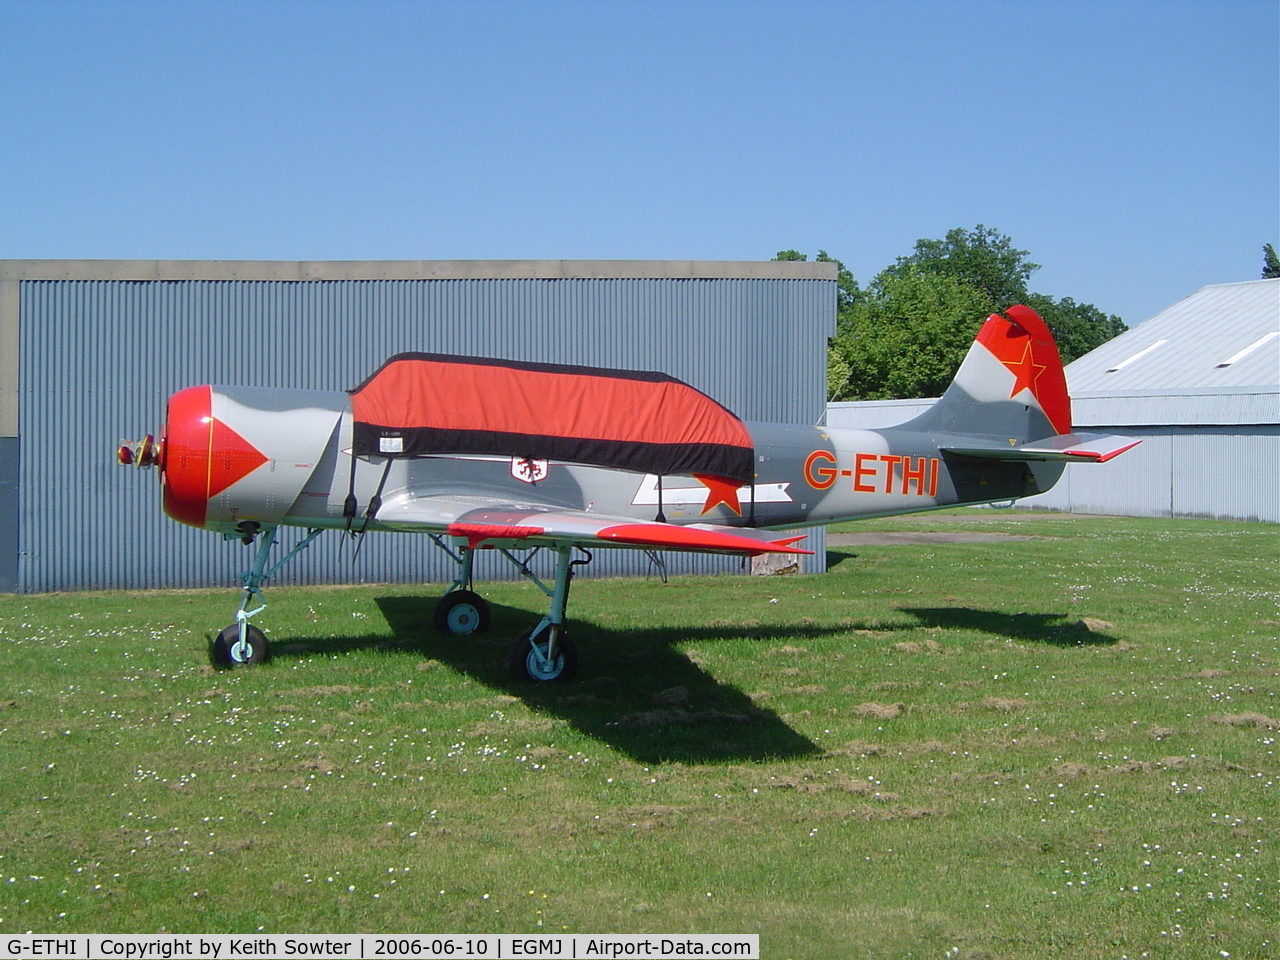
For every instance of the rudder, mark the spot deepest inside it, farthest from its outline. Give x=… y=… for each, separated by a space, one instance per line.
x=1011 y=384
x=1009 y=400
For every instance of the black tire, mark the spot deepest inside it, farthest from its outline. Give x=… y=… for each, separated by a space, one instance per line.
x=528 y=664
x=228 y=653
x=462 y=613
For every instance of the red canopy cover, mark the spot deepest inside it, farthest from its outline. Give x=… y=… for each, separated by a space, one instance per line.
x=418 y=404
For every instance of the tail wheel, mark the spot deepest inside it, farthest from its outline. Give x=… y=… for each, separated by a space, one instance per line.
x=229 y=651
x=529 y=661
x=462 y=613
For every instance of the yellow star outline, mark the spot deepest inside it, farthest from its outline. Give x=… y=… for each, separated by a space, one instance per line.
x=1025 y=371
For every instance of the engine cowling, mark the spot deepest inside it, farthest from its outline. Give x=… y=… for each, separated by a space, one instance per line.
x=233 y=454
x=201 y=456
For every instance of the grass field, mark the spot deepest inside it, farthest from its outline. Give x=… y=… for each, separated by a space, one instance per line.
x=1057 y=746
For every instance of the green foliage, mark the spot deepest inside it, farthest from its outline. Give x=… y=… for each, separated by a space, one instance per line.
x=838 y=372
x=847 y=291
x=907 y=332
x=1077 y=327
x=982 y=257
x=908 y=339
x=1270 y=263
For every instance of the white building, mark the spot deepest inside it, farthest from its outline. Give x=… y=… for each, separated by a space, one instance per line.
x=1199 y=383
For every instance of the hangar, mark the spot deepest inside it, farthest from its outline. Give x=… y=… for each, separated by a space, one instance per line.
x=1200 y=384
x=90 y=350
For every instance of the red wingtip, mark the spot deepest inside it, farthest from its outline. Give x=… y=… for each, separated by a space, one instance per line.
x=1103 y=457
x=677 y=537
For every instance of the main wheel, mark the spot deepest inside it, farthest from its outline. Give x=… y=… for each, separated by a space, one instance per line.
x=228 y=651
x=528 y=659
x=462 y=613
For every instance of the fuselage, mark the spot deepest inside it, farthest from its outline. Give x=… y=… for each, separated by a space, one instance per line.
x=232 y=456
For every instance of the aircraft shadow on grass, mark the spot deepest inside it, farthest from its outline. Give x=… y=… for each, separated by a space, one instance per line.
x=634 y=690
x=1054 y=629
x=641 y=695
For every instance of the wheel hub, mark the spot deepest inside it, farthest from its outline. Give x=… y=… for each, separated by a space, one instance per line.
x=463 y=618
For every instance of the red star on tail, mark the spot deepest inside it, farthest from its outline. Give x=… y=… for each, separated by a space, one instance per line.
x=1025 y=346
x=1024 y=369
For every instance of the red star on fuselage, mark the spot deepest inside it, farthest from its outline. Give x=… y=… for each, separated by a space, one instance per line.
x=719 y=491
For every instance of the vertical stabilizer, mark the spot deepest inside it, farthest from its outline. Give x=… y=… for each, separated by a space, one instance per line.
x=1010 y=386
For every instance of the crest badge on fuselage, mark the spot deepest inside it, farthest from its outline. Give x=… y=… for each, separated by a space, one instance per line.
x=528 y=469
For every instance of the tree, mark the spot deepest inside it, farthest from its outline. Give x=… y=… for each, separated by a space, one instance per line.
x=1270 y=263
x=908 y=339
x=847 y=292
x=982 y=257
x=838 y=371
x=1077 y=327
x=905 y=334
x=846 y=286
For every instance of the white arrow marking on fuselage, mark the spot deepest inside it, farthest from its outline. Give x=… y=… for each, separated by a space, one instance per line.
x=647 y=495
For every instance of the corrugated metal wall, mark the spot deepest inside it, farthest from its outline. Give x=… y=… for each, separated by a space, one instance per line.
x=9 y=475
x=1136 y=484
x=1222 y=473
x=99 y=358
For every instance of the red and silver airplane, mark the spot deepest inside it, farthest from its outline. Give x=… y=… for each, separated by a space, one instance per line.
x=482 y=453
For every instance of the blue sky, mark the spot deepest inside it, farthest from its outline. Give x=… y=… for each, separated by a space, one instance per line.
x=1132 y=147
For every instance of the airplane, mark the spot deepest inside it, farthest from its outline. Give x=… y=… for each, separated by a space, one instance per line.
x=515 y=456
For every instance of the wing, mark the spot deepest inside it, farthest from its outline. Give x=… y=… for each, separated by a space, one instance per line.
x=493 y=521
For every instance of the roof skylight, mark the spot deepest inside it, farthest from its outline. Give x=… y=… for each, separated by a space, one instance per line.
x=1261 y=341
x=1137 y=356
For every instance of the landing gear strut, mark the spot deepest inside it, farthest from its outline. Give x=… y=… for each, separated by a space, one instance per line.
x=461 y=611
x=231 y=650
x=544 y=653
x=548 y=656
x=241 y=643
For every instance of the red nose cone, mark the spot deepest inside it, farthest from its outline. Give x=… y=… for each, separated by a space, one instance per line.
x=201 y=456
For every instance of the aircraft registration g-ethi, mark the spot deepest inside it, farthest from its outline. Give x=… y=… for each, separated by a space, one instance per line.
x=482 y=453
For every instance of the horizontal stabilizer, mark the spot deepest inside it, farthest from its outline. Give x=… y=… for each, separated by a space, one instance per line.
x=1065 y=447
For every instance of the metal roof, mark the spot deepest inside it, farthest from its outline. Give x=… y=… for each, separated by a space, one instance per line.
x=1211 y=359
x=417 y=269
x=1194 y=407
x=1223 y=336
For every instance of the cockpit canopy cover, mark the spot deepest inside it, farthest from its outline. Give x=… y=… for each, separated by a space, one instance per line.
x=419 y=404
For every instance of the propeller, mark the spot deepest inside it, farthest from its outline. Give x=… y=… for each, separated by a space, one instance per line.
x=140 y=453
